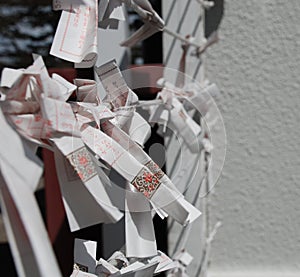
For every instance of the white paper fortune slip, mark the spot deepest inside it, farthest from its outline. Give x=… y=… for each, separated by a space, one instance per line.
x=85 y=263
x=153 y=22
x=200 y=97
x=20 y=173
x=9 y=76
x=95 y=206
x=166 y=196
x=123 y=99
x=77 y=172
x=75 y=39
x=21 y=104
x=114 y=84
x=136 y=269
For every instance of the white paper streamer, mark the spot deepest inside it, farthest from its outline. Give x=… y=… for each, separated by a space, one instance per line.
x=20 y=173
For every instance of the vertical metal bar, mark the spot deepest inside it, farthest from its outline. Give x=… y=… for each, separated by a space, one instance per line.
x=170 y=12
x=197 y=68
x=197 y=25
x=179 y=26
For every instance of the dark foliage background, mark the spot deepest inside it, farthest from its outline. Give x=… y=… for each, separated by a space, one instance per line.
x=27 y=27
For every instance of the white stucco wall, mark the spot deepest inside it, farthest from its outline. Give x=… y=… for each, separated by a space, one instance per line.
x=256 y=64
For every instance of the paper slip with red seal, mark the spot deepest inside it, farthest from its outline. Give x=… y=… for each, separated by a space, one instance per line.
x=81 y=182
x=173 y=202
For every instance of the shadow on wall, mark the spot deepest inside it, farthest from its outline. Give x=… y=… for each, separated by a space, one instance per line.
x=213 y=17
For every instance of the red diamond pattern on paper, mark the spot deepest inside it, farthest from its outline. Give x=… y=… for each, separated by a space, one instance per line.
x=146 y=182
x=83 y=164
x=155 y=169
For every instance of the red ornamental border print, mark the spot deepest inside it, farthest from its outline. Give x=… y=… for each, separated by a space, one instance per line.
x=146 y=182
x=83 y=164
x=155 y=169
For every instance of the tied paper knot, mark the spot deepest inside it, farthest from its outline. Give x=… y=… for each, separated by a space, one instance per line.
x=172 y=112
x=35 y=103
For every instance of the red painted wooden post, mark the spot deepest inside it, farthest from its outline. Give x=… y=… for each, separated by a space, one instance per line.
x=56 y=221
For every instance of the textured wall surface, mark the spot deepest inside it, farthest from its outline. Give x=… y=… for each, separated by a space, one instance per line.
x=256 y=64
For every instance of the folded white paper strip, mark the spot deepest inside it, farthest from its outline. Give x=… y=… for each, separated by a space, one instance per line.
x=107 y=9
x=173 y=200
x=9 y=76
x=95 y=206
x=139 y=230
x=114 y=84
x=86 y=91
x=153 y=22
x=121 y=97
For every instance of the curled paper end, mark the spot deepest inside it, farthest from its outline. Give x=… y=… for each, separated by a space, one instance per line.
x=88 y=61
x=141 y=34
x=75 y=39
